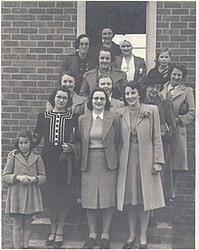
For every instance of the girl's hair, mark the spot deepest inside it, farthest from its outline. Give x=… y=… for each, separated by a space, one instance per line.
x=160 y=51
x=104 y=75
x=107 y=50
x=90 y=105
x=77 y=41
x=24 y=134
x=180 y=67
x=69 y=73
x=53 y=94
x=134 y=85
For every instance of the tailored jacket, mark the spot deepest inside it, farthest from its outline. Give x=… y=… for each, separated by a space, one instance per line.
x=140 y=68
x=150 y=152
x=71 y=63
x=111 y=138
x=23 y=199
x=90 y=82
x=179 y=141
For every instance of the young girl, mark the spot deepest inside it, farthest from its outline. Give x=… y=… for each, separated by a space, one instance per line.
x=24 y=172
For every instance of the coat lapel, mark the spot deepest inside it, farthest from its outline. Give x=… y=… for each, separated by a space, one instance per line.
x=165 y=90
x=31 y=159
x=126 y=116
x=178 y=91
x=20 y=158
x=142 y=109
x=86 y=123
x=92 y=79
x=107 y=123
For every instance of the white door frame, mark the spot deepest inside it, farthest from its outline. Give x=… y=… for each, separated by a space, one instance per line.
x=151 y=13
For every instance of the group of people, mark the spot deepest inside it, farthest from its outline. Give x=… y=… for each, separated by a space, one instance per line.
x=123 y=129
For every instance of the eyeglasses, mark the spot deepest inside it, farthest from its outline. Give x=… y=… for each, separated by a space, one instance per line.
x=64 y=98
x=99 y=98
x=84 y=44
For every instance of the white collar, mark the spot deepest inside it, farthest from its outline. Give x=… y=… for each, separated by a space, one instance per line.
x=174 y=88
x=94 y=115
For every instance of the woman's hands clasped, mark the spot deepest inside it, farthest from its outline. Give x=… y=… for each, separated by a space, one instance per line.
x=25 y=179
x=156 y=168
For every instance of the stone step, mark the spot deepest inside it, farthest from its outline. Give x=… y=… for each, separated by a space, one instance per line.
x=78 y=232
x=69 y=244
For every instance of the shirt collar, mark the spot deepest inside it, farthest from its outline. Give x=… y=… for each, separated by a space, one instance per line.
x=94 y=115
x=174 y=88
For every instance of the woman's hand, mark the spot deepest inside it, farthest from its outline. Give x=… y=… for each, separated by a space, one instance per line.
x=156 y=168
x=23 y=179
x=32 y=179
x=66 y=148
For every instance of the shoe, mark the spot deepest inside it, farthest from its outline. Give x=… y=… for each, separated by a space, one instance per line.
x=143 y=246
x=171 y=201
x=90 y=243
x=58 y=244
x=129 y=245
x=104 y=244
x=50 y=243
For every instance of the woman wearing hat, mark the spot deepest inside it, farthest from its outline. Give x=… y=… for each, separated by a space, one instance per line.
x=79 y=62
x=132 y=65
x=153 y=86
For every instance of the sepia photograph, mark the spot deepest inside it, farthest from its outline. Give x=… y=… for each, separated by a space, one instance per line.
x=98 y=109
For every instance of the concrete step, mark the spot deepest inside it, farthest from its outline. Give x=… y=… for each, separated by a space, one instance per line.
x=160 y=237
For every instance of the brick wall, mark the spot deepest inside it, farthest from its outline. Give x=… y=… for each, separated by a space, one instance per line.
x=35 y=37
x=176 y=29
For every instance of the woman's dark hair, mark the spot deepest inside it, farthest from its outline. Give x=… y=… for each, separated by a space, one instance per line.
x=134 y=85
x=77 y=41
x=160 y=51
x=24 y=134
x=108 y=27
x=107 y=50
x=90 y=105
x=104 y=75
x=53 y=94
x=180 y=67
x=67 y=72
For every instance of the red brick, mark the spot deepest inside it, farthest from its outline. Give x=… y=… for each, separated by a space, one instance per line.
x=45 y=83
x=19 y=77
x=36 y=90
x=45 y=44
x=65 y=31
x=47 y=4
x=29 y=31
x=10 y=70
x=27 y=17
x=55 y=24
x=5 y=23
x=28 y=109
x=187 y=58
x=37 y=37
x=55 y=11
x=45 y=57
x=162 y=25
x=37 y=24
x=11 y=57
x=54 y=37
x=28 y=43
x=192 y=38
x=18 y=128
x=180 y=11
x=188 y=18
x=172 y=4
x=171 y=31
x=179 y=25
x=19 y=37
x=37 y=11
x=45 y=70
x=9 y=122
x=187 y=45
x=10 y=17
x=188 y=31
x=20 y=50
x=191 y=4
x=6 y=37
x=193 y=12
x=45 y=17
x=170 y=44
x=74 y=17
x=65 y=4
x=37 y=50
x=192 y=25
x=37 y=77
x=54 y=50
x=171 y=18
x=62 y=44
x=19 y=11
x=6 y=77
x=19 y=116
x=20 y=103
x=10 y=43
x=62 y=17
x=19 y=24
x=6 y=63
x=28 y=96
x=27 y=70
x=70 y=11
x=27 y=122
x=11 y=30
x=70 y=24
x=178 y=38
x=5 y=115
x=5 y=10
x=47 y=31
x=28 y=57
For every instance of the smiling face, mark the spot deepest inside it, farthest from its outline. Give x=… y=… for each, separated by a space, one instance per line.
x=104 y=60
x=164 y=59
x=176 y=77
x=61 y=100
x=106 y=84
x=84 y=45
x=98 y=101
x=153 y=90
x=107 y=35
x=132 y=96
x=24 y=144
x=68 y=81
x=126 y=48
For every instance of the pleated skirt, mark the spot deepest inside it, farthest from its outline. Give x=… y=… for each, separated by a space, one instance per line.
x=98 y=182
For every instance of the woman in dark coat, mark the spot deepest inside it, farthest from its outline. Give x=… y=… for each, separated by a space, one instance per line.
x=100 y=138
x=57 y=127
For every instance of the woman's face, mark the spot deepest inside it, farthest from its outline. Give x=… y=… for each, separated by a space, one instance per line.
x=99 y=101
x=68 y=81
x=104 y=60
x=132 y=97
x=153 y=90
x=24 y=145
x=176 y=77
x=84 y=45
x=107 y=35
x=106 y=84
x=164 y=59
x=126 y=48
x=61 y=100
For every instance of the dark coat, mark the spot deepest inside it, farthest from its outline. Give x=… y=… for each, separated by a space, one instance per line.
x=71 y=63
x=90 y=82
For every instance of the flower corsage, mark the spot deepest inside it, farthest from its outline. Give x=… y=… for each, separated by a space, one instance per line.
x=144 y=114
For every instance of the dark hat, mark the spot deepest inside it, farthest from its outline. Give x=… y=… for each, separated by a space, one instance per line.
x=154 y=78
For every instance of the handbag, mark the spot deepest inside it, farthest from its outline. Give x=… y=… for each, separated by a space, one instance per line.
x=184 y=108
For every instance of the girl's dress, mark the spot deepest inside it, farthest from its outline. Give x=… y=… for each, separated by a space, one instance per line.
x=24 y=199
x=56 y=128
x=133 y=188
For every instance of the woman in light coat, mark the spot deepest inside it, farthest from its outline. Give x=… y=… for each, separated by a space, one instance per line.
x=141 y=158
x=179 y=95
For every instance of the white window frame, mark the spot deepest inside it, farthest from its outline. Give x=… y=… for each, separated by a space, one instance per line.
x=151 y=13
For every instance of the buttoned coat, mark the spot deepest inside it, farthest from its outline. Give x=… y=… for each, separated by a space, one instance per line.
x=111 y=138
x=24 y=199
x=71 y=63
x=90 y=82
x=140 y=68
x=178 y=142
x=150 y=152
